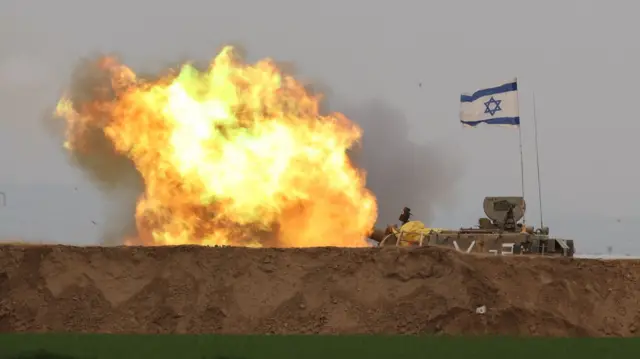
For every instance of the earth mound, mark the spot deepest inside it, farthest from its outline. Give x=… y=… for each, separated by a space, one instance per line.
x=191 y=289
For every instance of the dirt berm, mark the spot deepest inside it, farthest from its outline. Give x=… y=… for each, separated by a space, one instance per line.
x=193 y=289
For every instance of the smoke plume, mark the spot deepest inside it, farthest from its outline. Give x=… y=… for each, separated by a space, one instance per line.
x=400 y=172
x=113 y=174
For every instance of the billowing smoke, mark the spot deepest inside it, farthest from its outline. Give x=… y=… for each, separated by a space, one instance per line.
x=402 y=172
x=114 y=174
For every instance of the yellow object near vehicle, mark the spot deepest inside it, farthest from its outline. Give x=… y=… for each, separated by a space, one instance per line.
x=412 y=231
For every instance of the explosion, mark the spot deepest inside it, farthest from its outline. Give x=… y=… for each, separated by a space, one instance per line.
x=238 y=154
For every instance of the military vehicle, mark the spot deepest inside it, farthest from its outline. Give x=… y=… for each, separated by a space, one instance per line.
x=500 y=233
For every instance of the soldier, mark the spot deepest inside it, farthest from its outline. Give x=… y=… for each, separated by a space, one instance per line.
x=405 y=215
x=509 y=221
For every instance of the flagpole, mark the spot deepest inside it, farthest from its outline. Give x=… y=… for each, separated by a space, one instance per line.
x=524 y=218
x=535 y=124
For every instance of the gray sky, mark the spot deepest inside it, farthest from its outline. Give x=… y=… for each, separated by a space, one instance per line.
x=580 y=57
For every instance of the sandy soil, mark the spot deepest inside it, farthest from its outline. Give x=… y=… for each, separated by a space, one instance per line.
x=322 y=290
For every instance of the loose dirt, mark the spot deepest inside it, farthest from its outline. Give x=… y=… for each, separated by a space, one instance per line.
x=193 y=289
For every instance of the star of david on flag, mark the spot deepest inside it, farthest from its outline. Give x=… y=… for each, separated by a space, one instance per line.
x=492 y=106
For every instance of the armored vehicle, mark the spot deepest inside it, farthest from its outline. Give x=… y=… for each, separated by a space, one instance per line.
x=501 y=232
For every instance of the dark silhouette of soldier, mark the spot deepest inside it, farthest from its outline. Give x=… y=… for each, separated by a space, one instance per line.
x=509 y=221
x=405 y=215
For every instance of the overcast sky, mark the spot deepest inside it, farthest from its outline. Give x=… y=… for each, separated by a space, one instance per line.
x=580 y=57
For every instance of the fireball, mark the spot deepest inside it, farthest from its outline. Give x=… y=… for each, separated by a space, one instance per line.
x=238 y=154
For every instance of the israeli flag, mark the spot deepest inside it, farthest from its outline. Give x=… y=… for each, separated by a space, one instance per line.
x=493 y=106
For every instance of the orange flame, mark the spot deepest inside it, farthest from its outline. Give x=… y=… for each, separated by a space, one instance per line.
x=236 y=155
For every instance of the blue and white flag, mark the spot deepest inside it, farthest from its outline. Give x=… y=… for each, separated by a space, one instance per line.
x=493 y=106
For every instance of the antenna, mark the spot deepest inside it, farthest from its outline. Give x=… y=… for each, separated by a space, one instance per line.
x=535 y=124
